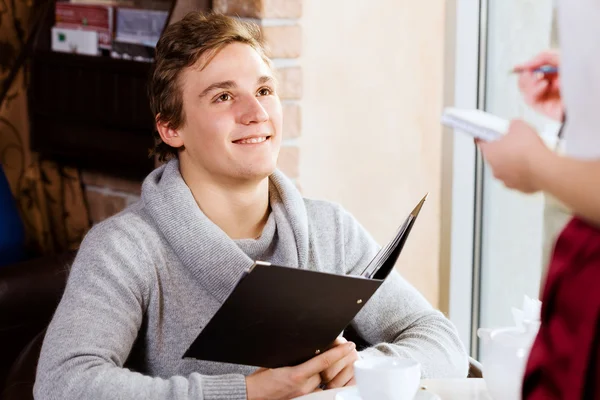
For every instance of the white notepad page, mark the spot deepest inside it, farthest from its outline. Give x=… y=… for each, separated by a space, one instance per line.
x=477 y=123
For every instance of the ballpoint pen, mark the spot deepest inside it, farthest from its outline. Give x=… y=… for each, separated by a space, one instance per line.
x=544 y=69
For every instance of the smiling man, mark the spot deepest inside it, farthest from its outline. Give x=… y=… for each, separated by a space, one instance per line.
x=147 y=280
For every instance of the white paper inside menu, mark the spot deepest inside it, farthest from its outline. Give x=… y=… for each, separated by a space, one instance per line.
x=75 y=41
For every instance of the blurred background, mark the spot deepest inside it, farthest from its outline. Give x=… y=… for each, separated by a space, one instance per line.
x=363 y=87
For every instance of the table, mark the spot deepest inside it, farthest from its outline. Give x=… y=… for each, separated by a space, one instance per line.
x=446 y=389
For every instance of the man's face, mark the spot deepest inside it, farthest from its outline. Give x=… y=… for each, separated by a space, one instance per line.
x=233 y=116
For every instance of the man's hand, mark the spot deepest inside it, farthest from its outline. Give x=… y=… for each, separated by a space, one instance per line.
x=341 y=373
x=515 y=158
x=290 y=382
x=542 y=91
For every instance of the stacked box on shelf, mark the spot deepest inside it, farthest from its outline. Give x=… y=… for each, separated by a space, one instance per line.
x=140 y=26
x=88 y=17
x=137 y=31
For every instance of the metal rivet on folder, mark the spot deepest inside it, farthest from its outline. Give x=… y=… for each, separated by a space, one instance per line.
x=318 y=352
x=359 y=301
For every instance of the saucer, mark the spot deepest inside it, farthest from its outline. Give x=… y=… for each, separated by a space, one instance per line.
x=352 y=394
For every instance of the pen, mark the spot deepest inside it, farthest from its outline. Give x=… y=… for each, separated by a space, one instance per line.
x=544 y=69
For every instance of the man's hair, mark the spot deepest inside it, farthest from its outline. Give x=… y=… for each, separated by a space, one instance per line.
x=181 y=46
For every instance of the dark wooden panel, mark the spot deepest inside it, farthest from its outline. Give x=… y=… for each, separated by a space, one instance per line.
x=91 y=111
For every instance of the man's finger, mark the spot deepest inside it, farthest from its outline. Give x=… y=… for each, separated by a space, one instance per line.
x=330 y=373
x=339 y=340
x=323 y=361
x=342 y=378
x=313 y=384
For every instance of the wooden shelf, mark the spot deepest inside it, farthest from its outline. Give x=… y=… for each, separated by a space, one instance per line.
x=92 y=112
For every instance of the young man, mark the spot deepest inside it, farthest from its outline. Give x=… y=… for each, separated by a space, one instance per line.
x=155 y=274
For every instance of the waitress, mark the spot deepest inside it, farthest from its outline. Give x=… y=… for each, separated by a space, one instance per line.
x=564 y=362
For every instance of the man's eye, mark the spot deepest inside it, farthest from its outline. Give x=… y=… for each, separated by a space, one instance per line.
x=224 y=97
x=265 y=91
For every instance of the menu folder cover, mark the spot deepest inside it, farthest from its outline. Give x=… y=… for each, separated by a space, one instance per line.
x=280 y=316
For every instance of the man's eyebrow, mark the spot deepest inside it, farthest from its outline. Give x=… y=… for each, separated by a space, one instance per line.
x=264 y=79
x=218 y=85
x=231 y=84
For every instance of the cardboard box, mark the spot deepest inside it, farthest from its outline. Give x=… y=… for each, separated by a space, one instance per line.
x=76 y=41
x=87 y=17
x=139 y=26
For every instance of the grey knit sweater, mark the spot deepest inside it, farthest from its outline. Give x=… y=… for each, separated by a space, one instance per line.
x=147 y=280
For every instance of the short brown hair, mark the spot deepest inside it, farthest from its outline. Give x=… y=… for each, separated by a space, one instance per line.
x=181 y=46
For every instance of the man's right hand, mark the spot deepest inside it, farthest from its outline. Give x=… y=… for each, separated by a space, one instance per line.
x=542 y=91
x=290 y=382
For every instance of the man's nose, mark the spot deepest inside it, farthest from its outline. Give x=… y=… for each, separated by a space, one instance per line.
x=253 y=112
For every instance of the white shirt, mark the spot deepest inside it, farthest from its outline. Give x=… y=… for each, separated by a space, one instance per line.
x=579 y=32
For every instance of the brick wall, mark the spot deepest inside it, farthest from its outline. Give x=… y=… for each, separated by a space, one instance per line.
x=106 y=195
x=279 y=21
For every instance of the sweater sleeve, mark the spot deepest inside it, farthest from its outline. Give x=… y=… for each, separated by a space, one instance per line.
x=96 y=324
x=398 y=320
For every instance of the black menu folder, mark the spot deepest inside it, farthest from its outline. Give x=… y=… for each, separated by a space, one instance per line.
x=280 y=316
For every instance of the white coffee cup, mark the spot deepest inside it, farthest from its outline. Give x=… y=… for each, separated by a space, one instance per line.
x=387 y=378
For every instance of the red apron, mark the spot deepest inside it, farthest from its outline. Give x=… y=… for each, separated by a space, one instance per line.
x=564 y=362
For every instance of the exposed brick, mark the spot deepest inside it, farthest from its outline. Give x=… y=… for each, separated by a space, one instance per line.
x=102 y=206
x=241 y=8
x=260 y=8
x=111 y=182
x=283 y=41
x=292 y=120
x=290 y=82
x=289 y=161
x=282 y=9
x=182 y=7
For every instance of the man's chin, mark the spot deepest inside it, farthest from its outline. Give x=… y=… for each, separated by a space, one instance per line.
x=256 y=173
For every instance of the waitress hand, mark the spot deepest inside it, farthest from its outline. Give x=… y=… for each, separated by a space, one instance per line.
x=542 y=91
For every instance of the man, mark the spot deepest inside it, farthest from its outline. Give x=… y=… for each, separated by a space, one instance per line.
x=156 y=273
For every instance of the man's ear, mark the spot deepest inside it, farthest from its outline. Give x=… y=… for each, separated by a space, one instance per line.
x=168 y=135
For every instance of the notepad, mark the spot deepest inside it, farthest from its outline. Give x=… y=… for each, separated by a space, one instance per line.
x=477 y=123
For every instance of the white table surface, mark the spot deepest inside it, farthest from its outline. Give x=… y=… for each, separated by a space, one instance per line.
x=446 y=389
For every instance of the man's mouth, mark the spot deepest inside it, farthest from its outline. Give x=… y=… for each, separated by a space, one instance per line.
x=252 y=140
